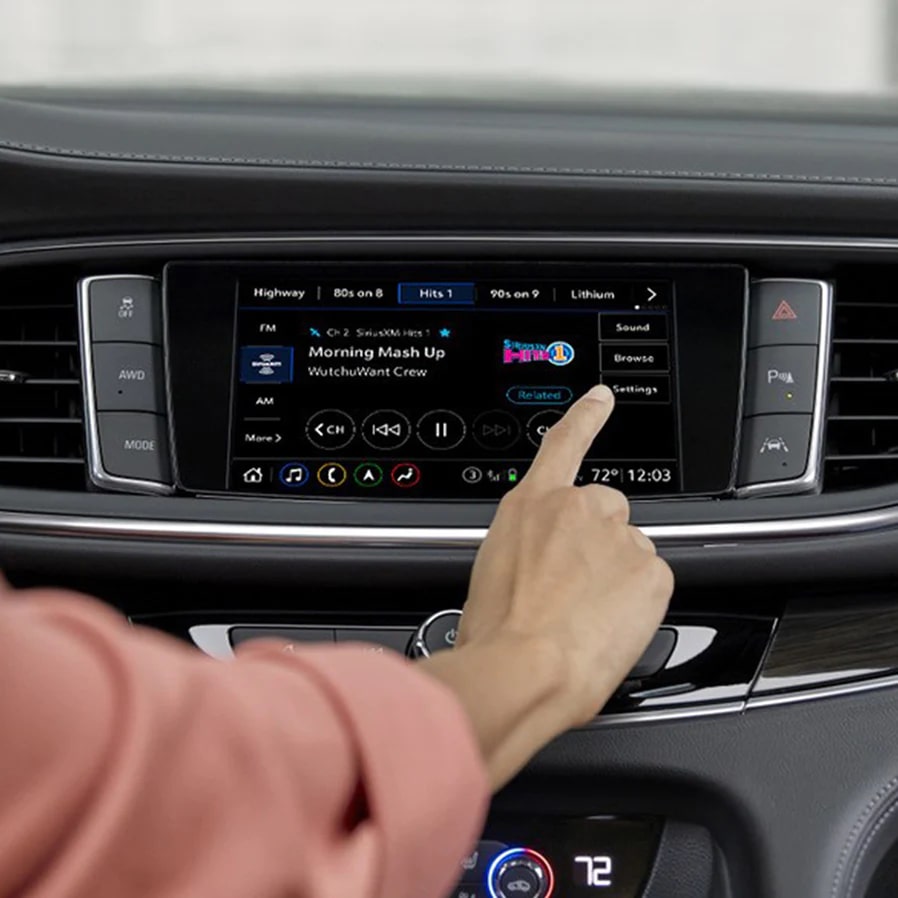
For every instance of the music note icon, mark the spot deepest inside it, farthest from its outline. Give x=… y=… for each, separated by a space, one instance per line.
x=294 y=474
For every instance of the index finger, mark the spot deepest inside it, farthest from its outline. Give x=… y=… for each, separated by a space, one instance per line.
x=564 y=446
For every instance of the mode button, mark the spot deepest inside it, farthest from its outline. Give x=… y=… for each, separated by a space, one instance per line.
x=134 y=445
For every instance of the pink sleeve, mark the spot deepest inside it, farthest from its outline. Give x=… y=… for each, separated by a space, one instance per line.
x=132 y=766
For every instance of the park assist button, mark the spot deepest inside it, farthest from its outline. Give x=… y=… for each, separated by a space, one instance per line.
x=125 y=309
x=330 y=429
x=134 y=446
x=128 y=377
x=781 y=380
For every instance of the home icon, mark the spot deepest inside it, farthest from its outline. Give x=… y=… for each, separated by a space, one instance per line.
x=253 y=475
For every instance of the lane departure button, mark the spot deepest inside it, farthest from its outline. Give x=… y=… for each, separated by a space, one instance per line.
x=774 y=448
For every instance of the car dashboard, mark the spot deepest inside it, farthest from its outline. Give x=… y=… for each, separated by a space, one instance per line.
x=280 y=389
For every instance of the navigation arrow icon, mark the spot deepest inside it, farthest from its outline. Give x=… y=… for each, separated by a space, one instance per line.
x=652 y=294
x=319 y=430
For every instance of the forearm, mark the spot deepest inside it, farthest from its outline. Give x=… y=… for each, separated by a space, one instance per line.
x=514 y=691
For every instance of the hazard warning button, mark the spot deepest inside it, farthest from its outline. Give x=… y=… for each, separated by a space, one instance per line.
x=785 y=312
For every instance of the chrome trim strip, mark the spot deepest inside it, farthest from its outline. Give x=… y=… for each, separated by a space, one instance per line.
x=810 y=481
x=822 y=692
x=323 y=536
x=98 y=474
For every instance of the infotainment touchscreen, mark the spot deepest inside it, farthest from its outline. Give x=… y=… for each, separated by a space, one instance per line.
x=444 y=389
x=439 y=382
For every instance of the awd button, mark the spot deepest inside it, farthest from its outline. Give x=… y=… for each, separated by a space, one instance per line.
x=128 y=377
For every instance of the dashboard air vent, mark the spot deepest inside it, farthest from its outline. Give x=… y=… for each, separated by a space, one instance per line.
x=862 y=427
x=41 y=429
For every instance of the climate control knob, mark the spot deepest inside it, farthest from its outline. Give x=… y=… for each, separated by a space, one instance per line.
x=436 y=634
x=520 y=873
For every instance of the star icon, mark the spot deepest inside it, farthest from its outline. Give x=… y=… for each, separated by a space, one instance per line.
x=445 y=333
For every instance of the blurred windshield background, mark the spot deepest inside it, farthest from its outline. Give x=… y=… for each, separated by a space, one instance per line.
x=460 y=48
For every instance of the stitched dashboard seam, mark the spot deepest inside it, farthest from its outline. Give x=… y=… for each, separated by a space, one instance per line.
x=348 y=165
x=865 y=847
x=855 y=832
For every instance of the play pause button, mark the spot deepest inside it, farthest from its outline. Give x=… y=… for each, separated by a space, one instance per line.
x=441 y=430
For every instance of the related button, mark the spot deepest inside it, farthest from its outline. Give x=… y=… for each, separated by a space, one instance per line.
x=405 y=475
x=642 y=388
x=386 y=429
x=774 y=447
x=656 y=655
x=636 y=326
x=496 y=430
x=128 y=377
x=332 y=475
x=294 y=636
x=539 y=395
x=378 y=639
x=134 y=445
x=540 y=424
x=785 y=312
x=474 y=867
x=266 y=364
x=441 y=430
x=635 y=357
x=330 y=429
x=125 y=310
x=294 y=475
x=781 y=379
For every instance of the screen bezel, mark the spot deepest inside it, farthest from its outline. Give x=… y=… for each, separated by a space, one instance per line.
x=200 y=300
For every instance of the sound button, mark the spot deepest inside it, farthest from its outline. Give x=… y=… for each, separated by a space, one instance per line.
x=332 y=475
x=386 y=429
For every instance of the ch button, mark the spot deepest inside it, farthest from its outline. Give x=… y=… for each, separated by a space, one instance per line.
x=330 y=429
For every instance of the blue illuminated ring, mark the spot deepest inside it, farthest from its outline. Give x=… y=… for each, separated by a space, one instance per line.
x=520 y=852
